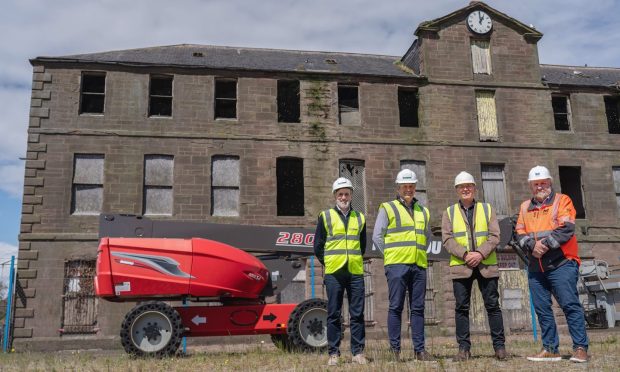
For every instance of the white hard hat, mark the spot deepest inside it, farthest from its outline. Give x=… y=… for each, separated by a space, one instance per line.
x=462 y=178
x=538 y=173
x=341 y=183
x=406 y=176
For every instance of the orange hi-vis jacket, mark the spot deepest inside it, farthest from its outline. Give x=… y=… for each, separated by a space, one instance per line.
x=553 y=223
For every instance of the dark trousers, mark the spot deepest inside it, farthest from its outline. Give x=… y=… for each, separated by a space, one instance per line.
x=336 y=284
x=490 y=295
x=401 y=279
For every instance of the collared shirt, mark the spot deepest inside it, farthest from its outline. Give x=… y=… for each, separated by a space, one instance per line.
x=320 y=234
x=469 y=213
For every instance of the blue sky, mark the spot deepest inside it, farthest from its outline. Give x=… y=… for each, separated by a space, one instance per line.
x=576 y=32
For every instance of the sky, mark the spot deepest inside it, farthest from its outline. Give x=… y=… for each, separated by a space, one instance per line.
x=576 y=32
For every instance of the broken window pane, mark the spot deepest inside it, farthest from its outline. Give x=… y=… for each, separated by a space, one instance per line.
x=158 y=200
x=494 y=188
x=419 y=168
x=79 y=303
x=348 y=104
x=290 y=192
x=160 y=96
x=225 y=185
x=570 y=184
x=561 y=112
x=226 y=99
x=355 y=171
x=92 y=95
x=612 y=111
x=288 y=101
x=87 y=188
x=408 y=107
x=158 y=182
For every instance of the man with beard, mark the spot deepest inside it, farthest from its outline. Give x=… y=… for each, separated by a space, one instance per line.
x=546 y=232
x=340 y=244
x=401 y=233
x=470 y=233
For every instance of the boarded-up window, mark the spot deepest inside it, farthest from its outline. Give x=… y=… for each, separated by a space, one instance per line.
x=419 y=168
x=158 y=181
x=430 y=307
x=494 y=188
x=369 y=301
x=92 y=93
x=348 y=104
x=408 y=107
x=570 y=183
x=487 y=117
x=354 y=170
x=288 y=101
x=225 y=185
x=612 y=110
x=79 y=302
x=481 y=56
x=290 y=179
x=616 y=174
x=87 y=190
x=561 y=112
x=160 y=95
x=225 y=99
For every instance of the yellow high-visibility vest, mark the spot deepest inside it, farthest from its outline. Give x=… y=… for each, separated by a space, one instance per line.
x=405 y=238
x=461 y=232
x=342 y=245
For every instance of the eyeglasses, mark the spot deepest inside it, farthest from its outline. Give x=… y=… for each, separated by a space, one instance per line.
x=463 y=187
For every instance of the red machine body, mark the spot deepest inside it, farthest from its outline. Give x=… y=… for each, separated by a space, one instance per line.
x=147 y=268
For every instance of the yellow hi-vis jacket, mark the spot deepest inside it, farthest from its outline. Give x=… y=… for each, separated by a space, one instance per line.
x=460 y=231
x=342 y=244
x=405 y=238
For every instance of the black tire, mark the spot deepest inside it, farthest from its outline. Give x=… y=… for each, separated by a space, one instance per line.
x=307 y=326
x=282 y=342
x=152 y=329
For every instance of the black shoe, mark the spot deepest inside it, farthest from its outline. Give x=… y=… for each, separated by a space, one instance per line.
x=462 y=356
x=501 y=354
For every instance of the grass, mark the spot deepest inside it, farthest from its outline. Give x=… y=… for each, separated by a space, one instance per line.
x=262 y=356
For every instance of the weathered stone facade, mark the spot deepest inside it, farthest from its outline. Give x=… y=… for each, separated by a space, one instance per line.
x=447 y=140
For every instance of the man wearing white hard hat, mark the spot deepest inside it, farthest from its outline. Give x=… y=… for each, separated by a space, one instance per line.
x=470 y=233
x=546 y=232
x=340 y=244
x=402 y=234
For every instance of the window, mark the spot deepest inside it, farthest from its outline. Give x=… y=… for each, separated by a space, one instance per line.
x=225 y=99
x=290 y=179
x=79 y=302
x=494 y=188
x=481 y=56
x=561 y=112
x=408 y=107
x=430 y=307
x=288 y=101
x=419 y=168
x=570 y=183
x=225 y=185
x=354 y=170
x=487 y=118
x=160 y=95
x=158 y=181
x=616 y=174
x=92 y=93
x=612 y=110
x=87 y=190
x=348 y=104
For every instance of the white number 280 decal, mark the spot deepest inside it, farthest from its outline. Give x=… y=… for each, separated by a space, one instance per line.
x=286 y=238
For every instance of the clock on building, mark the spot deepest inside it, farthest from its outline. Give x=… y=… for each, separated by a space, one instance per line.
x=479 y=22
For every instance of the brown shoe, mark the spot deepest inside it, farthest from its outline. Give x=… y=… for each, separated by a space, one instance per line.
x=580 y=355
x=462 y=356
x=545 y=356
x=501 y=354
x=424 y=356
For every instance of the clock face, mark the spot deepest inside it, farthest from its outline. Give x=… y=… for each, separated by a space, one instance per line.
x=479 y=22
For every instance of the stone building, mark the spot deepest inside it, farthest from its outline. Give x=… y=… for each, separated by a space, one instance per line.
x=256 y=136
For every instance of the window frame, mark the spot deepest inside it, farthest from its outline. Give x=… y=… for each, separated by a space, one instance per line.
x=478 y=98
x=484 y=53
x=612 y=128
x=84 y=93
x=214 y=158
x=483 y=180
x=568 y=113
x=161 y=96
x=348 y=109
x=416 y=93
x=217 y=99
x=279 y=191
x=73 y=210
x=149 y=186
x=279 y=103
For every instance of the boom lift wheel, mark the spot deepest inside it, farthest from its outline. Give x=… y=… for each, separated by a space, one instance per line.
x=307 y=326
x=152 y=329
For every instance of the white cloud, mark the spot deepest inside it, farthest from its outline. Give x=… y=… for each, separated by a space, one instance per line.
x=12 y=179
